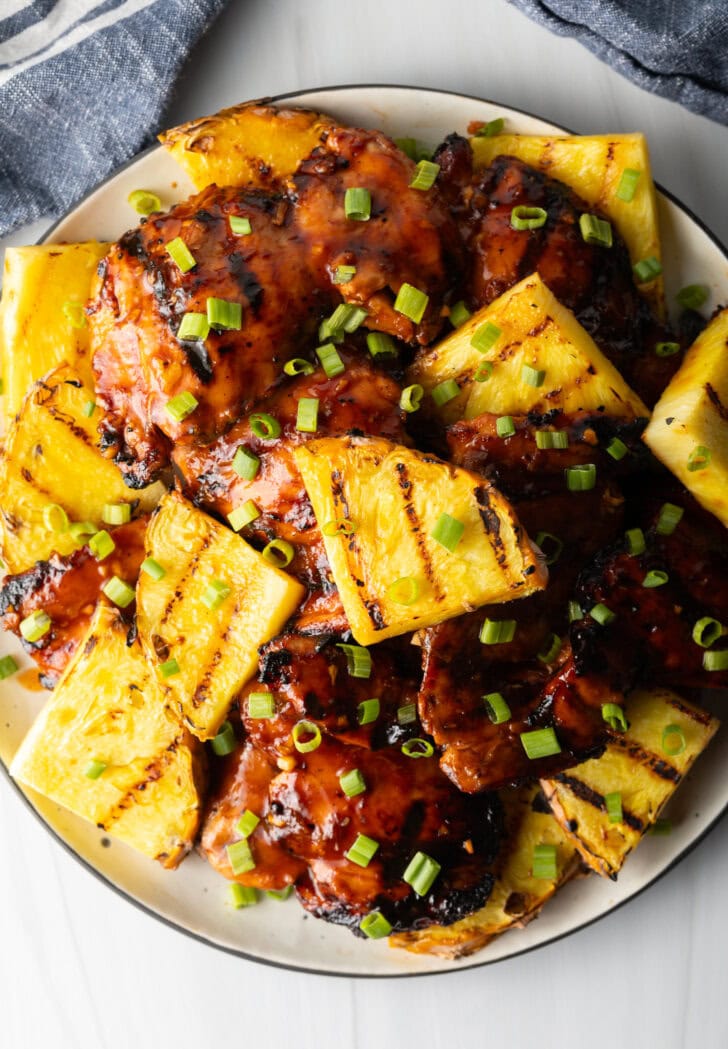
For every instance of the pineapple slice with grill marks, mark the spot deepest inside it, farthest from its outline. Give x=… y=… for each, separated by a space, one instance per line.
x=252 y=143
x=216 y=648
x=517 y=896
x=395 y=497
x=36 y=334
x=51 y=455
x=634 y=765
x=688 y=431
x=533 y=330
x=107 y=708
x=593 y=166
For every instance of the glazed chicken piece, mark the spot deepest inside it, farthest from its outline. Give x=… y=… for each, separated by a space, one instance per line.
x=283 y=276
x=67 y=588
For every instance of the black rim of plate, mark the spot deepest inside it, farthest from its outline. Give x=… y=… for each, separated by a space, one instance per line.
x=457 y=966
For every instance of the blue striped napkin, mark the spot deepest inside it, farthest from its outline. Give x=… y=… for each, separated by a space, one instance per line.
x=83 y=86
x=677 y=50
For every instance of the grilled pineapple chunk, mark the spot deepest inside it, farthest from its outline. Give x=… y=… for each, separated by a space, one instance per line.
x=216 y=648
x=688 y=431
x=593 y=166
x=250 y=143
x=634 y=765
x=536 y=331
x=395 y=497
x=51 y=456
x=36 y=333
x=517 y=896
x=108 y=710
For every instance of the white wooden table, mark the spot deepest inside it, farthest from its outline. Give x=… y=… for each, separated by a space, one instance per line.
x=80 y=967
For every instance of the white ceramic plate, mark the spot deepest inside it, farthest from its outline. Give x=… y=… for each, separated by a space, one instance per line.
x=194 y=898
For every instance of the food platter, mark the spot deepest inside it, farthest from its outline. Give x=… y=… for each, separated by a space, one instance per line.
x=194 y=898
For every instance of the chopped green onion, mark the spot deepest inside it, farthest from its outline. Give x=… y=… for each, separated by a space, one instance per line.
x=264 y=426
x=628 y=185
x=581 y=478
x=55 y=518
x=713 y=661
x=352 y=783
x=661 y=826
x=459 y=314
x=546 y=540
x=224 y=315
x=557 y=439
x=617 y=449
x=445 y=392
x=181 y=255
x=699 y=458
x=576 y=612
x=345 y=318
x=595 y=231
x=635 y=541
x=485 y=337
x=615 y=717
x=169 y=668
x=496 y=708
x=425 y=175
x=144 y=202
x=240 y=225
x=543 y=866
x=101 y=544
x=279 y=553
x=88 y=409
x=242 y=896
x=307 y=415
x=448 y=531
x=367 y=711
x=407 y=714
x=331 y=363
x=602 y=615
x=119 y=592
x=261 y=705
x=181 y=406
x=153 y=569
x=404 y=591
x=94 y=768
x=421 y=872
x=375 y=926
x=34 y=626
x=193 y=326
x=693 y=296
x=358 y=204
x=540 y=743
x=243 y=515
x=75 y=314
x=116 y=513
x=380 y=344
x=647 y=269
x=707 y=631
x=358 y=659
x=411 y=302
x=669 y=518
x=654 y=579
x=245 y=464
x=224 y=742
x=8 y=666
x=613 y=805
x=667 y=349
x=673 y=740
x=216 y=593
x=362 y=851
x=498 y=631
x=306 y=736
x=418 y=748
x=247 y=822
x=532 y=376
x=279 y=894
x=343 y=527
x=524 y=217
x=551 y=649
x=343 y=274
x=493 y=127
x=408 y=146
x=298 y=366
x=483 y=372
x=504 y=426
x=240 y=856
x=411 y=398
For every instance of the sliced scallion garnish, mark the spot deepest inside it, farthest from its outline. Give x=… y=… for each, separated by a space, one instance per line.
x=380 y=344
x=693 y=296
x=669 y=518
x=181 y=255
x=343 y=274
x=715 y=661
x=552 y=439
x=498 y=631
x=169 y=668
x=179 y=407
x=278 y=553
x=707 y=631
x=448 y=531
x=119 y=591
x=485 y=337
x=8 y=666
x=240 y=225
x=699 y=458
x=216 y=594
x=243 y=515
x=647 y=269
x=101 y=544
x=550 y=545
x=352 y=783
x=411 y=398
x=496 y=708
x=551 y=649
x=298 y=366
x=617 y=449
x=581 y=478
x=144 y=202
x=505 y=427
x=375 y=926
x=116 y=513
x=153 y=569
x=193 y=327
x=540 y=743
x=367 y=711
x=94 y=768
x=261 y=705
x=411 y=302
x=243 y=896
x=240 y=856
x=404 y=591
x=628 y=185
x=224 y=315
x=224 y=742
x=543 y=865
x=307 y=415
x=673 y=740
x=524 y=217
x=264 y=426
x=421 y=873
x=343 y=527
x=667 y=349
x=459 y=314
x=613 y=805
x=358 y=204
x=418 y=748
x=55 y=518
x=358 y=659
x=362 y=850
x=615 y=717
x=602 y=615
x=425 y=175
x=247 y=823
x=331 y=363
x=654 y=578
x=245 y=464
x=635 y=541
x=445 y=391
x=306 y=736
x=595 y=230
x=407 y=715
